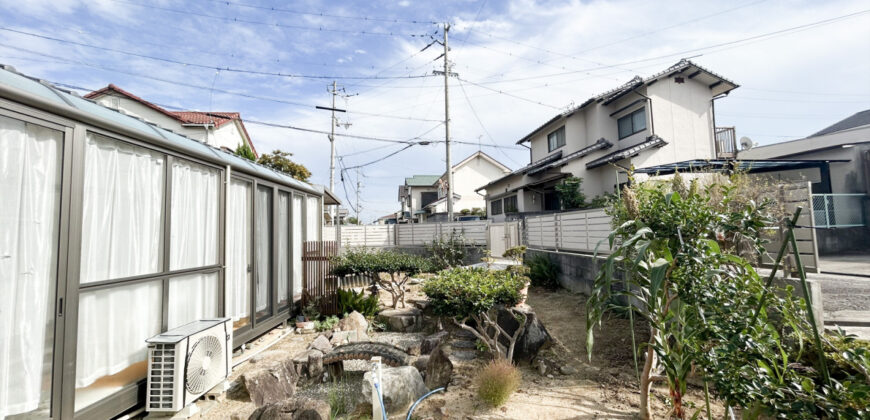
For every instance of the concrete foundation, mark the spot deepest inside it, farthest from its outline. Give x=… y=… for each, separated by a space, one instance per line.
x=839 y=240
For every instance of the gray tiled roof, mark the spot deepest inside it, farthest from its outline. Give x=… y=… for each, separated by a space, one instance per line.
x=856 y=120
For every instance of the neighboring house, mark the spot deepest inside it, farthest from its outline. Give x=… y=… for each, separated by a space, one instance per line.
x=389 y=219
x=667 y=117
x=840 y=185
x=223 y=130
x=340 y=217
x=424 y=197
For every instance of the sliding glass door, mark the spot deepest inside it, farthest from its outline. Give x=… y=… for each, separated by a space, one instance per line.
x=240 y=236
x=284 y=248
x=30 y=181
x=263 y=229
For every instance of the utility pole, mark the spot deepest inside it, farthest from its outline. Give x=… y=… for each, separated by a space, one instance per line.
x=447 y=127
x=358 y=186
x=334 y=91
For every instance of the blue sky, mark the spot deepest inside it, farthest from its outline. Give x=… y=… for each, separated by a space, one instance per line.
x=542 y=55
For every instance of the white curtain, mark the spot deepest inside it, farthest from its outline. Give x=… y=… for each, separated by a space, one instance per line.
x=314 y=216
x=283 y=247
x=297 y=245
x=123 y=210
x=239 y=249
x=192 y=297
x=113 y=326
x=263 y=239
x=194 y=208
x=30 y=184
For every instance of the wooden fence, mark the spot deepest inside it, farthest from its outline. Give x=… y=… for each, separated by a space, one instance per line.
x=318 y=284
x=790 y=197
x=576 y=231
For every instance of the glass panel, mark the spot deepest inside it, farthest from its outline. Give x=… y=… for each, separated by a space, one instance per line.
x=113 y=326
x=283 y=230
x=123 y=210
x=312 y=214
x=510 y=204
x=263 y=240
x=194 y=209
x=624 y=126
x=496 y=207
x=639 y=120
x=239 y=238
x=30 y=171
x=192 y=297
x=297 y=245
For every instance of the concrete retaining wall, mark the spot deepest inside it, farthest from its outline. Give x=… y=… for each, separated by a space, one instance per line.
x=838 y=240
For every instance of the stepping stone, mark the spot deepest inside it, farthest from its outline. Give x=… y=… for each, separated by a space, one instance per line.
x=463 y=344
x=463 y=355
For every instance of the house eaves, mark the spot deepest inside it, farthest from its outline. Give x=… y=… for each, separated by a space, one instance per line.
x=601 y=144
x=540 y=162
x=651 y=141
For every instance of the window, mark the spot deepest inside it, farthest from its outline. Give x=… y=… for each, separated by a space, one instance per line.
x=263 y=239
x=556 y=139
x=194 y=209
x=428 y=197
x=313 y=214
x=296 y=214
x=496 y=207
x=632 y=123
x=510 y=204
x=284 y=261
x=239 y=240
x=30 y=173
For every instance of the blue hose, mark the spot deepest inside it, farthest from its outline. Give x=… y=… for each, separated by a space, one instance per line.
x=381 y=400
x=411 y=411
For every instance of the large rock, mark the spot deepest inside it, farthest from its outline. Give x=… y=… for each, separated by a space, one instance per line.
x=532 y=340
x=293 y=409
x=402 y=386
x=402 y=320
x=431 y=342
x=271 y=383
x=321 y=343
x=315 y=364
x=439 y=369
x=354 y=321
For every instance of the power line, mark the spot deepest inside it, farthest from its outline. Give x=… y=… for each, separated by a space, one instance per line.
x=509 y=94
x=207 y=66
x=320 y=14
x=270 y=24
x=477 y=117
x=747 y=40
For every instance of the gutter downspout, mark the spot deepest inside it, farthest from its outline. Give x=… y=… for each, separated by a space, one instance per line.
x=652 y=124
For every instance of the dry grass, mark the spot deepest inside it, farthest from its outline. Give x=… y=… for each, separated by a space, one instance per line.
x=497 y=381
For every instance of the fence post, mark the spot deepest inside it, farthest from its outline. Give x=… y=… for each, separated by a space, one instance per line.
x=365 y=236
x=412 y=233
x=586 y=228
x=827 y=207
x=557 y=238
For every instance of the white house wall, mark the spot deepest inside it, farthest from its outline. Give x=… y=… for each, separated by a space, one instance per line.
x=471 y=176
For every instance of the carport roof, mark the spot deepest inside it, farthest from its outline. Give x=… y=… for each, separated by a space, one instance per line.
x=727 y=165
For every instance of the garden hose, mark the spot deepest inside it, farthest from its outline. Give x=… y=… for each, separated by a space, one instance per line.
x=411 y=411
x=381 y=401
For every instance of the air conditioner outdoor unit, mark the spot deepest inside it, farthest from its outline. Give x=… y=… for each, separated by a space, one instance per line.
x=186 y=362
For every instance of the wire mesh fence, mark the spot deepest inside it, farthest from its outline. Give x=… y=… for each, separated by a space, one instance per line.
x=838 y=210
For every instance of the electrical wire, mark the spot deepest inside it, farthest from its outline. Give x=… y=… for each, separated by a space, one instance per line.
x=477 y=117
x=208 y=66
x=269 y=24
x=320 y=14
x=502 y=92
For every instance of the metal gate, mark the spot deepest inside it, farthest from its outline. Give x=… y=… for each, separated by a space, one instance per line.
x=503 y=236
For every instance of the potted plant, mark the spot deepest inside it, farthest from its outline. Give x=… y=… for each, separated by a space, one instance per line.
x=309 y=313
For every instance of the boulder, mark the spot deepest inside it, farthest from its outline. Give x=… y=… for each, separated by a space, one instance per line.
x=354 y=321
x=315 y=364
x=402 y=320
x=420 y=363
x=439 y=369
x=321 y=343
x=293 y=409
x=402 y=386
x=532 y=340
x=429 y=343
x=271 y=382
x=342 y=337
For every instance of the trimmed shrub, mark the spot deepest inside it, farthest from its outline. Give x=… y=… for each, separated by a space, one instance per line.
x=397 y=267
x=516 y=253
x=447 y=252
x=543 y=272
x=497 y=381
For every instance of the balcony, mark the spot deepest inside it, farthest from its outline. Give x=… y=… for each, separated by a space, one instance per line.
x=726 y=143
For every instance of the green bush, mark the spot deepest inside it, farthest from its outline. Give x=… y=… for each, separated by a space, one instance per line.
x=447 y=252
x=475 y=294
x=389 y=270
x=349 y=301
x=497 y=381
x=515 y=253
x=543 y=272
x=327 y=324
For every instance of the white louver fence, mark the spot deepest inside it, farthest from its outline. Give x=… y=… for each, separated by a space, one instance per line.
x=412 y=234
x=575 y=231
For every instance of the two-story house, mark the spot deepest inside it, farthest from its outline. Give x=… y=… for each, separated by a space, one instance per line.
x=223 y=130
x=424 y=197
x=664 y=118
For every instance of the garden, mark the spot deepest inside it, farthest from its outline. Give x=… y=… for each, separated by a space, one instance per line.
x=679 y=324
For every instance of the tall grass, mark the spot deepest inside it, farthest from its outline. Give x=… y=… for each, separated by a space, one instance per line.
x=497 y=381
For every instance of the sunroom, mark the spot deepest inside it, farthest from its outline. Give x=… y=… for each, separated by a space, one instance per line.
x=113 y=230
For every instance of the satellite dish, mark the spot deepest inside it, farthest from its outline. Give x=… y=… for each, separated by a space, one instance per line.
x=746 y=143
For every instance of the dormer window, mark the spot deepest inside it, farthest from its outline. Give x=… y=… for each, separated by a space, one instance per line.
x=632 y=123
x=556 y=139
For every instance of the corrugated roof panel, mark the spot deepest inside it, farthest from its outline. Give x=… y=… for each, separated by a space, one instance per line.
x=28 y=85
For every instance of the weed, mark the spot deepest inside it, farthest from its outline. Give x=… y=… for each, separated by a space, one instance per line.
x=497 y=381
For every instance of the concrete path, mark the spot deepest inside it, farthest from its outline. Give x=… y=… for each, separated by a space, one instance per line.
x=853 y=263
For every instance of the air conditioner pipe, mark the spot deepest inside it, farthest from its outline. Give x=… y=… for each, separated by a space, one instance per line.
x=411 y=411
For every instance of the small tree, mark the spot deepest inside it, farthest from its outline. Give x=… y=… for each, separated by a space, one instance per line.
x=353 y=221
x=447 y=252
x=280 y=161
x=477 y=294
x=570 y=193
x=244 y=151
x=386 y=269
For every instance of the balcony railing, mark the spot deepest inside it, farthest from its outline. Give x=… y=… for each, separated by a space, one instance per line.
x=726 y=143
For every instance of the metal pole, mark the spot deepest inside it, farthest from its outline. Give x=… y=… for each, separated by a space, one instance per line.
x=447 y=127
x=332 y=210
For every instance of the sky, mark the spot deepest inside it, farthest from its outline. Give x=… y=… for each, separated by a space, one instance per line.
x=802 y=65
